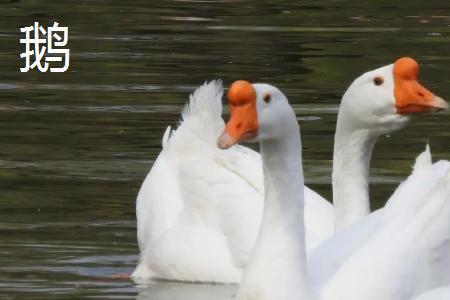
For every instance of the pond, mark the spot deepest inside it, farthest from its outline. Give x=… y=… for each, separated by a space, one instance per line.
x=75 y=146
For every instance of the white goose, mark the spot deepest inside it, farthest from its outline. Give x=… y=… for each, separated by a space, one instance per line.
x=406 y=255
x=209 y=202
x=199 y=208
x=376 y=103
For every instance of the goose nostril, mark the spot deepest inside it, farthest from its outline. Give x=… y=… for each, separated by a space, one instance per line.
x=420 y=94
x=238 y=126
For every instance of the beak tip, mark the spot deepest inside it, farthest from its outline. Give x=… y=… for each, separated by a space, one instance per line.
x=441 y=103
x=225 y=141
x=222 y=145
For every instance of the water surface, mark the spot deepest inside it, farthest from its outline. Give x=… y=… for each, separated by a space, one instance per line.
x=76 y=146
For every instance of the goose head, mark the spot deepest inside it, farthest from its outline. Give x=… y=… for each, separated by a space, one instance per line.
x=257 y=112
x=383 y=100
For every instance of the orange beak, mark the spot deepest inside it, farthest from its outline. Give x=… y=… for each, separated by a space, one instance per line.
x=243 y=123
x=410 y=96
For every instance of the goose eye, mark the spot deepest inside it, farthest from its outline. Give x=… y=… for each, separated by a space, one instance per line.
x=378 y=80
x=267 y=98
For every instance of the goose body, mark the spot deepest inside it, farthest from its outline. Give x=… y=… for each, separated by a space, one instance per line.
x=406 y=254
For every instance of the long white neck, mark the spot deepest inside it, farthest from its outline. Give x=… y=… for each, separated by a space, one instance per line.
x=351 y=162
x=277 y=269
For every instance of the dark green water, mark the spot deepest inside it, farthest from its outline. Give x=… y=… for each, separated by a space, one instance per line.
x=74 y=147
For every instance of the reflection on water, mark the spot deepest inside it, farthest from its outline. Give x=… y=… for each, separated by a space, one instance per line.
x=76 y=146
x=169 y=291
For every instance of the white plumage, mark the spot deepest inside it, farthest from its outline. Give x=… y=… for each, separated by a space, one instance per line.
x=407 y=251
